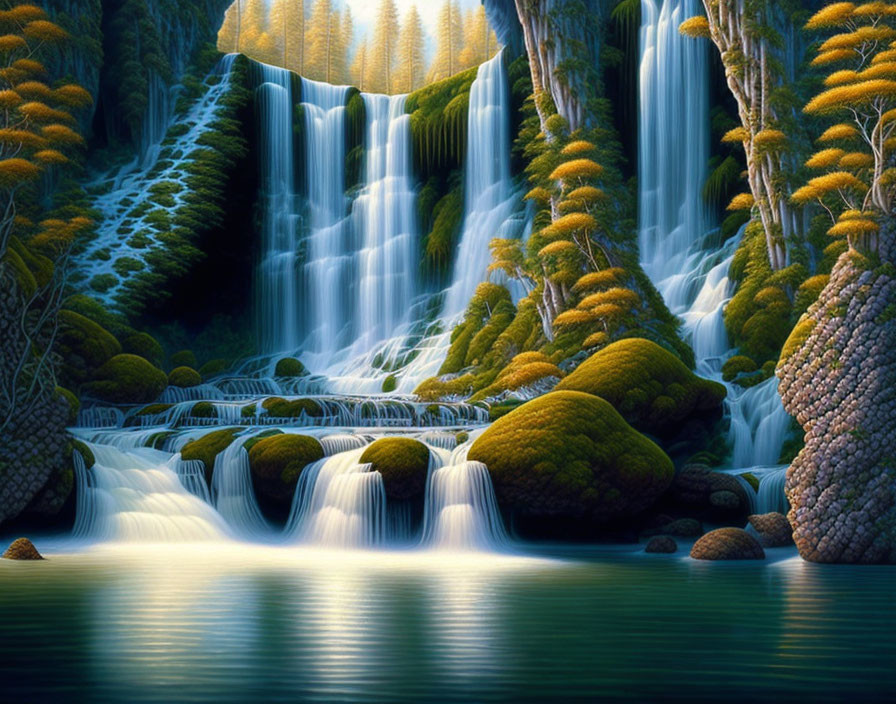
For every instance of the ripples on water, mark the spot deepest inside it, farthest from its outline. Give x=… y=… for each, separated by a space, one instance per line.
x=252 y=623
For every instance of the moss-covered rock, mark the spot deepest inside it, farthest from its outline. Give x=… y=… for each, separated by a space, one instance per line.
x=661 y=544
x=403 y=462
x=648 y=385
x=183 y=358
x=293 y=408
x=127 y=378
x=290 y=367
x=184 y=378
x=85 y=452
x=213 y=368
x=277 y=461
x=154 y=409
x=738 y=364
x=390 y=383
x=74 y=405
x=83 y=345
x=208 y=447
x=204 y=409
x=570 y=454
x=144 y=345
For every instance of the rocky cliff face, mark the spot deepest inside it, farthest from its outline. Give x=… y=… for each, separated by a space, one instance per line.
x=838 y=377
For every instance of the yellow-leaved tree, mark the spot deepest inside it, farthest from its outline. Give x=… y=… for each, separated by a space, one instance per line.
x=857 y=156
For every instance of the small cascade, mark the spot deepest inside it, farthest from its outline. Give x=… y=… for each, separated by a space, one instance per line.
x=339 y=503
x=232 y=492
x=192 y=475
x=759 y=424
x=279 y=264
x=328 y=273
x=342 y=442
x=135 y=496
x=771 y=496
x=461 y=510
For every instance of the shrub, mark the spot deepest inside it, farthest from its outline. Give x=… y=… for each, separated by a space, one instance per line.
x=290 y=367
x=127 y=378
x=184 y=377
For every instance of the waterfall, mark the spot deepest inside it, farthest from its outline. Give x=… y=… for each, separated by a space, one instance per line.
x=192 y=475
x=328 y=272
x=232 y=491
x=678 y=247
x=339 y=503
x=135 y=496
x=279 y=317
x=770 y=496
x=384 y=220
x=461 y=510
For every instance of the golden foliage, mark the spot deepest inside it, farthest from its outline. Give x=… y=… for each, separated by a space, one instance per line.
x=832 y=57
x=14 y=172
x=51 y=157
x=854 y=228
x=696 y=27
x=822 y=185
x=825 y=159
x=40 y=112
x=607 y=311
x=736 y=136
x=883 y=69
x=516 y=376
x=769 y=139
x=884 y=57
x=574 y=317
x=21 y=14
x=856 y=160
x=577 y=169
x=530 y=358
x=838 y=133
x=586 y=194
x=577 y=148
x=73 y=95
x=559 y=247
x=538 y=194
x=599 y=279
x=871 y=9
x=12 y=42
x=839 y=78
x=597 y=339
x=44 y=31
x=834 y=15
x=11 y=137
x=622 y=297
x=29 y=66
x=572 y=223
x=855 y=39
x=34 y=90
x=851 y=96
x=742 y=201
x=9 y=99
x=61 y=134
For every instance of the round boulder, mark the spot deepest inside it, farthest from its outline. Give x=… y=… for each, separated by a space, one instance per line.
x=570 y=454
x=774 y=529
x=127 y=378
x=276 y=463
x=404 y=464
x=184 y=378
x=727 y=544
x=22 y=549
x=661 y=544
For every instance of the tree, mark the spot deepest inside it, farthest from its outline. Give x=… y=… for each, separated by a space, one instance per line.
x=229 y=34
x=384 y=48
x=347 y=36
x=750 y=45
x=287 y=23
x=858 y=181
x=359 y=68
x=479 y=39
x=323 y=39
x=449 y=42
x=409 y=70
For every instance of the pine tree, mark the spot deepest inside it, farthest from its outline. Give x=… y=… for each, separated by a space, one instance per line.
x=254 y=23
x=287 y=24
x=449 y=42
x=383 y=56
x=359 y=68
x=228 y=35
x=347 y=36
x=319 y=40
x=410 y=69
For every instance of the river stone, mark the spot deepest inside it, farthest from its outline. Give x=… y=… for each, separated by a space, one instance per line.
x=727 y=544
x=774 y=529
x=22 y=549
x=661 y=544
x=684 y=528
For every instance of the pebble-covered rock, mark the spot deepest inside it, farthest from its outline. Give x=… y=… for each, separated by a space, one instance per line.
x=837 y=376
x=773 y=529
x=22 y=549
x=727 y=544
x=661 y=544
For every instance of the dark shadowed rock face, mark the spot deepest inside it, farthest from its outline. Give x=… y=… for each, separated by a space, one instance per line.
x=661 y=544
x=838 y=377
x=773 y=529
x=727 y=544
x=22 y=549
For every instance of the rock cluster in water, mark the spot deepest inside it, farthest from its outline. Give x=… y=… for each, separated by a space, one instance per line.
x=727 y=544
x=838 y=377
x=773 y=529
x=22 y=549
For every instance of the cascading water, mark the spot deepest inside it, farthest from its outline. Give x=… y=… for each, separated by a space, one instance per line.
x=328 y=273
x=232 y=491
x=135 y=496
x=678 y=248
x=280 y=228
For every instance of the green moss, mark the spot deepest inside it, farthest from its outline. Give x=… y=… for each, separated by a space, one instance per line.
x=403 y=463
x=184 y=377
x=83 y=345
x=154 y=409
x=208 y=447
x=278 y=460
x=74 y=405
x=738 y=364
x=213 y=368
x=249 y=411
x=797 y=338
x=390 y=383
x=183 y=358
x=752 y=480
x=126 y=378
x=571 y=454
x=290 y=367
x=440 y=243
x=101 y=283
x=146 y=346
x=648 y=385
x=281 y=408
x=86 y=453
x=204 y=409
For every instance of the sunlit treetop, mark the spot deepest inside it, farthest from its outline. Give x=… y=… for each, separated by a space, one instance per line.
x=743 y=201
x=696 y=27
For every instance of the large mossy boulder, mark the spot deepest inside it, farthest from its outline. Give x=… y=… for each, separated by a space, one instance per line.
x=84 y=345
x=289 y=367
x=184 y=378
x=648 y=385
x=277 y=407
x=127 y=378
x=144 y=345
x=208 y=447
x=403 y=463
x=571 y=455
x=276 y=463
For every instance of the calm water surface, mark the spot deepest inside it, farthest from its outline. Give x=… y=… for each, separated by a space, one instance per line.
x=248 y=623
